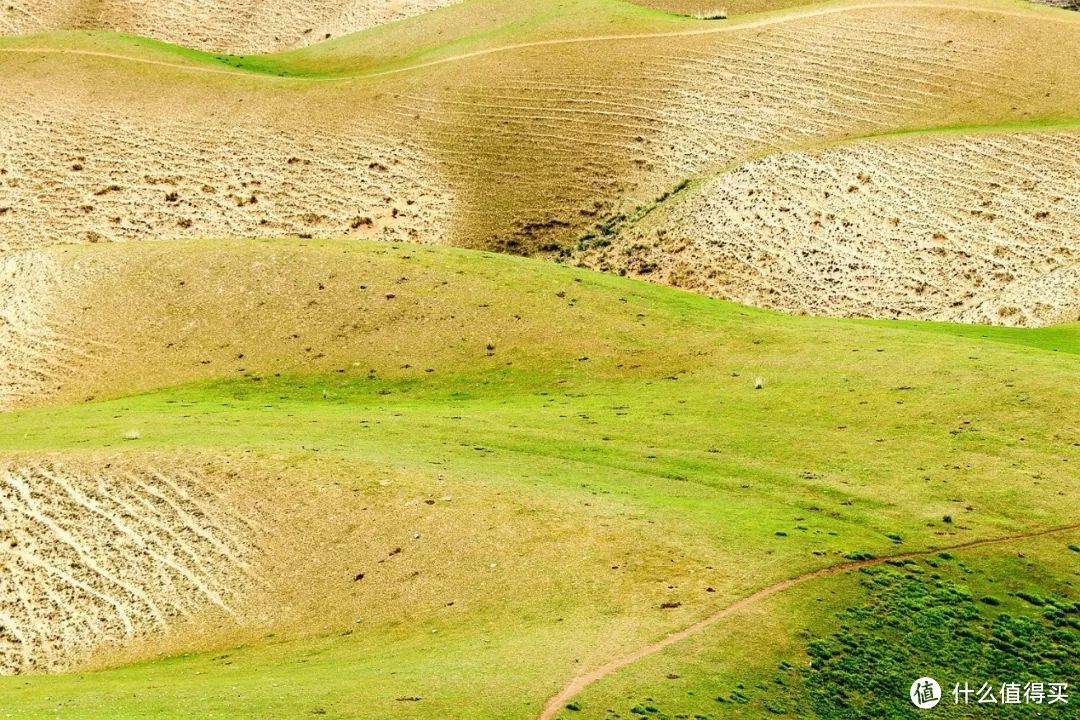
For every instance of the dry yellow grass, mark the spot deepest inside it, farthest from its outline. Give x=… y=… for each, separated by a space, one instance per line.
x=970 y=228
x=79 y=170
x=159 y=314
x=97 y=554
x=234 y=26
x=528 y=147
x=32 y=356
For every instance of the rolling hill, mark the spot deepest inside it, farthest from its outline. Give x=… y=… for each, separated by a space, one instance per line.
x=553 y=143
x=238 y=26
x=578 y=359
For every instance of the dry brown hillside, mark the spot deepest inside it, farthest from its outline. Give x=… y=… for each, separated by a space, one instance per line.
x=969 y=228
x=99 y=552
x=234 y=26
x=558 y=147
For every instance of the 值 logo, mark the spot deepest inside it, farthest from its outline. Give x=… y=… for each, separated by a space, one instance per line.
x=925 y=693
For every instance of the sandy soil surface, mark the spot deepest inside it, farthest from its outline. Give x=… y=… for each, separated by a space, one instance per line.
x=235 y=26
x=545 y=143
x=75 y=172
x=32 y=354
x=964 y=228
x=733 y=8
x=99 y=553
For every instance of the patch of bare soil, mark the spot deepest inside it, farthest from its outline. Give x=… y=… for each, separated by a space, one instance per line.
x=961 y=228
x=98 y=553
x=235 y=26
x=545 y=144
x=73 y=171
x=33 y=355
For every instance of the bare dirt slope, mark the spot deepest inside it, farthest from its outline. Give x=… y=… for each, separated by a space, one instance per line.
x=1063 y=4
x=971 y=228
x=233 y=26
x=717 y=9
x=34 y=355
x=97 y=553
x=528 y=148
x=76 y=172
x=545 y=144
x=544 y=148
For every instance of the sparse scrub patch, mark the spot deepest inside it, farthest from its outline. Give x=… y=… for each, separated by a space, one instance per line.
x=713 y=14
x=908 y=621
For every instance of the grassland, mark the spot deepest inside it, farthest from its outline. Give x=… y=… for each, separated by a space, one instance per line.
x=765 y=664
x=641 y=466
x=290 y=428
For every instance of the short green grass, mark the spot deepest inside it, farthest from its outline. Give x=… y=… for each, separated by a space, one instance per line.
x=629 y=403
x=850 y=645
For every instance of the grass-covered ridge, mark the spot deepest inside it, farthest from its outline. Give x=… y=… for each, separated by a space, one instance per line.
x=640 y=414
x=851 y=645
x=459 y=343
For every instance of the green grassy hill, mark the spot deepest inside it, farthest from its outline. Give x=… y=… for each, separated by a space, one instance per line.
x=591 y=489
x=290 y=426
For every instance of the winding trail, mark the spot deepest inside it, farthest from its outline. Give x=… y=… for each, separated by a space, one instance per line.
x=570 y=690
x=725 y=27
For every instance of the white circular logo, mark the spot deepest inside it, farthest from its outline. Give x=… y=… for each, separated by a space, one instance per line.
x=925 y=693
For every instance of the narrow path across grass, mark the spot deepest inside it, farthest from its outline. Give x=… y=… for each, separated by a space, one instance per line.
x=726 y=27
x=575 y=686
